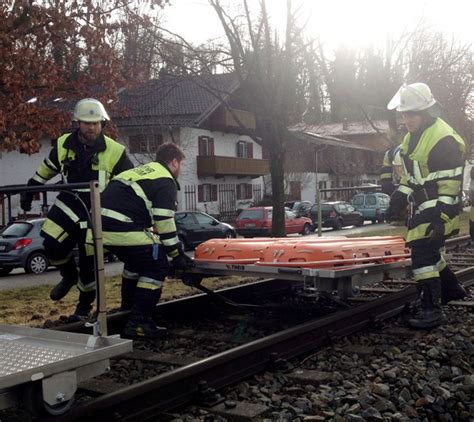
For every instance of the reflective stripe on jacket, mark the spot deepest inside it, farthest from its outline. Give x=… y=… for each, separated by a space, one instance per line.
x=135 y=201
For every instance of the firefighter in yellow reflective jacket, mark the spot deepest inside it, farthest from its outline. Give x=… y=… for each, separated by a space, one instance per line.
x=433 y=160
x=81 y=156
x=388 y=177
x=471 y=214
x=138 y=209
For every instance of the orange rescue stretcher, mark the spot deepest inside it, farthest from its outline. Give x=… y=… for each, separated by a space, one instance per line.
x=328 y=252
x=321 y=264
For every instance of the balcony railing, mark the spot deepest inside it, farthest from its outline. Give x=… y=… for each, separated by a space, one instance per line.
x=231 y=166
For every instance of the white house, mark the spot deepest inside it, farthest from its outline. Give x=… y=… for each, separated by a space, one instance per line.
x=224 y=166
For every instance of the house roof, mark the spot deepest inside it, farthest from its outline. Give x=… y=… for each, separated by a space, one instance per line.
x=304 y=133
x=347 y=128
x=174 y=100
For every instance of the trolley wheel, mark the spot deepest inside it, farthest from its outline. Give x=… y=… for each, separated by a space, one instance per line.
x=34 y=403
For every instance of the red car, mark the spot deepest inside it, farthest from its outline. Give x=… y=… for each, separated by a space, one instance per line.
x=257 y=221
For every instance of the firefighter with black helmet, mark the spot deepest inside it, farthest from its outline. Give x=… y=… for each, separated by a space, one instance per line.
x=138 y=209
x=81 y=156
x=432 y=156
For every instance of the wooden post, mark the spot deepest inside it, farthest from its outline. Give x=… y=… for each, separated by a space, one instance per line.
x=99 y=259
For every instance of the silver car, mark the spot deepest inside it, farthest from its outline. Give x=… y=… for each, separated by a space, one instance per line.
x=21 y=246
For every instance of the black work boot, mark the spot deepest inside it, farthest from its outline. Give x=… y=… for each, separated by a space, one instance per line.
x=69 y=279
x=140 y=323
x=450 y=287
x=129 y=287
x=431 y=314
x=84 y=307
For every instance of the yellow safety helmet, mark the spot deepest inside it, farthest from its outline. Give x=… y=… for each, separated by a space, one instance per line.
x=413 y=97
x=90 y=110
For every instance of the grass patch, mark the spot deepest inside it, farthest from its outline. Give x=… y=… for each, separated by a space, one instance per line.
x=32 y=306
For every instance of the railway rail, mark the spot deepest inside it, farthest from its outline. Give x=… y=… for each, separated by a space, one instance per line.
x=228 y=348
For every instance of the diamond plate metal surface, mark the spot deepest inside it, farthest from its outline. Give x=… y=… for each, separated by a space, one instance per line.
x=18 y=355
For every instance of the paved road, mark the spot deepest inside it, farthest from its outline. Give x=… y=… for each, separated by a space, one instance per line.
x=18 y=278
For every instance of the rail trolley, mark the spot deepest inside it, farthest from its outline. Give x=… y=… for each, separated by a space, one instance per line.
x=41 y=368
x=324 y=265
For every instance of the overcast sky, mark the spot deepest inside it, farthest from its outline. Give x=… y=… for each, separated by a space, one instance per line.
x=351 y=22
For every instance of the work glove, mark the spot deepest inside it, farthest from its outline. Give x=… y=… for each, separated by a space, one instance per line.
x=436 y=232
x=397 y=207
x=183 y=262
x=26 y=198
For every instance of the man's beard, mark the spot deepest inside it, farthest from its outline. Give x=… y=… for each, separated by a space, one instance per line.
x=87 y=139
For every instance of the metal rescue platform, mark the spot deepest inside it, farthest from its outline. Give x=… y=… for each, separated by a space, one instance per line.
x=41 y=368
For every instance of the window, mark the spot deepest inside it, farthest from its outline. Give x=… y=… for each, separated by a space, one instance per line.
x=143 y=144
x=204 y=219
x=184 y=218
x=370 y=200
x=207 y=193
x=244 y=149
x=244 y=191
x=255 y=214
x=358 y=200
x=295 y=189
x=206 y=146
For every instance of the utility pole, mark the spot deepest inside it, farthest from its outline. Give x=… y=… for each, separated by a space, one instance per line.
x=318 y=191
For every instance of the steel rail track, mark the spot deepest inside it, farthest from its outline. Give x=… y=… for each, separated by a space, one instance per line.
x=181 y=386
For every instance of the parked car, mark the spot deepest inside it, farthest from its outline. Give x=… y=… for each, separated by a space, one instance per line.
x=22 y=246
x=257 y=221
x=300 y=208
x=337 y=215
x=195 y=227
x=372 y=205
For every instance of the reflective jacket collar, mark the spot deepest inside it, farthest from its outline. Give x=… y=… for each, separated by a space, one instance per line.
x=72 y=142
x=172 y=175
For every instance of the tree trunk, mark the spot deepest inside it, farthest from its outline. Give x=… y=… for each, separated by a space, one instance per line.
x=277 y=156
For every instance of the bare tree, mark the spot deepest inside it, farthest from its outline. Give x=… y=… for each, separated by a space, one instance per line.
x=265 y=64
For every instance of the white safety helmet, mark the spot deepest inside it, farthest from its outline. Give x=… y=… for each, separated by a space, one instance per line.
x=413 y=97
x=90 y=110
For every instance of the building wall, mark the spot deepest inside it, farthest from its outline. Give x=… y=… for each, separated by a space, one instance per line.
x=16 y=169
x=225 y=145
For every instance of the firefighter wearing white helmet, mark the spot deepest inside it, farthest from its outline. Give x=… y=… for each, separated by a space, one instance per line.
x=82 y=155
x=90 y=110
x=432 y=155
